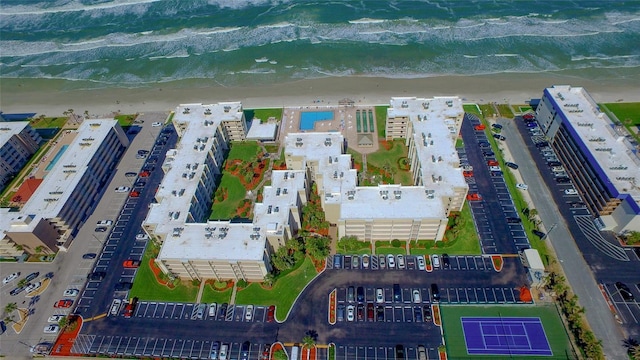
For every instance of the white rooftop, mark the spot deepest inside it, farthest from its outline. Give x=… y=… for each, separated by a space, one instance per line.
x=259 y=131
x=615 y=155
x=434 y=124
x=56 y=188
x=184 y=165
x=391 y=202
x=272 y=215
x=10 y=128
x=219 y=240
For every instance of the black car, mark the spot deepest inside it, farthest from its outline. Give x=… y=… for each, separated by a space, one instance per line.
x=499 y=137
x=161 y=143
x=554 y=163
x=624 y=290
x=17 y=290
x=140 y=183
x=148 y=168
x=538 y=233
x=167 y=130
x=511 y=165
x=563 y=179
x=89 y=256
x=100 y=229
x=152 y=160
x=484 y=144
x=496 y=173
x=32 y=276
x=380 y=313
x=223 y=309
x=97 y=275
x=122 y=286
x=399 y=352
x=360 y=294
x=542 y=144
x=446 y=262
x=488 y=153
x=131 y=174
x=514 y=220
x=244 y=350
x=426 y=312
x=496 y=126
x=397 y=293
x=435 y=292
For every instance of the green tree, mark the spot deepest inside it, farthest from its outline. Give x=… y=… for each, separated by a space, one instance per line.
x=280 y=355
x=39 y=249
x=308 y=342
x=396 y=243
x=282 y=259
x=63 y=322
x=269 y=279
x=317 y=247
x=10 y=307
x=632 y=237
x=349 y=243
x=630 y=344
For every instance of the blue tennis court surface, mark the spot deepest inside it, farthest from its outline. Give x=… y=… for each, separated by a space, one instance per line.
x=505 y=336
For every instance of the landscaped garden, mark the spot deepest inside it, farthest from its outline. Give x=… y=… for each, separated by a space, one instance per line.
x=243 y=171
x=388 y=165
x=381 y=121
x=43 y=122
x=263 y=114
x=627 y=113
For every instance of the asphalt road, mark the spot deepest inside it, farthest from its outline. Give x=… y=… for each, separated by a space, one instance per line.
x=577 y=270
x=69 y=269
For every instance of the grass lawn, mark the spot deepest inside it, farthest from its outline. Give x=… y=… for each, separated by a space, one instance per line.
x=465 y=243
x=263 y=114
x=384 y=158
x=356 y=157
x=524 y=108
x=553 y=328
x=625 y=112
x=505 y=111
x=381 y=121
x=245 y=151
x=472 y=109
x=385 y=247
x=284 y=291
x=48 y=122
x=235 y=194
x=210 y=295
x=145 y=286
x=126 y=120
x=487 y=110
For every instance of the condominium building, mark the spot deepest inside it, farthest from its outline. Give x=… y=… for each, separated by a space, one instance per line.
x=598 y=155
x=71 y=189
x=18 y=141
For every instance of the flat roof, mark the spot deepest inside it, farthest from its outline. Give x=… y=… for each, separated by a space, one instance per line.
x=53 y=193
x=259 y=131
x=10 y=128
x=272 y=215
x=436 y=125
x=219 y=240
x=184 y=165
x=616 y=156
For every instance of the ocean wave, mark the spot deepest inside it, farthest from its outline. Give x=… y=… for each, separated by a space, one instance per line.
x=72 y=6
x=367 y=21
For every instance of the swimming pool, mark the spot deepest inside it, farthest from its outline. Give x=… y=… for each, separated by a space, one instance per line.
x=308 y=118
x=55 y=159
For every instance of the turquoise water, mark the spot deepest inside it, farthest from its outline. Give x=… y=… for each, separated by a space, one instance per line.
x=309 y=118
x=135 y=43
x=55 y=159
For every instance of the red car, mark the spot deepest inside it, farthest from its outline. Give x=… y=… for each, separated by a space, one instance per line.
x=131 y=263
x=479 y=127
x=271 y=313
x=474 y=197
x=144 y=174
x=528 y=116
x=492 y=163
x=64 y=303
x=134 y=194
x=467 y=173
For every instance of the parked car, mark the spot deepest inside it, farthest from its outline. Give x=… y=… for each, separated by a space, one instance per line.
x=379 y=295
x=130 y=174
x=391 y=261
x=17 y=290
x=32 y=276
x=496 y=126
x=426 y=312
x=365 y=261
x=248 y=313
x=89 y=256
x=435 y=292
x=100 y=229
x=105 y=222
x=350 y=313
x=514 y=220
x=122 y=189
x=415 y=295
x=445 y=261
x=123 y=286
x=63 y=304
x=435 y=261
x=499 y=137
x=115 y=307
x=379 y=313
x=71 y=293
x=397 y=293
x=538 y=233
x=382 y=262
x=33 y=287
x=399 y=352
x=571 y=192
x=55 y=318
x=215 y=347
x=97 y=275
x=271 y=311
x=131 y=264
x=222 y=311
x=563 y=179
x=213 y=307
x=522 y=186
x=351 y=294
x=421 y=262
x=9 y=278
x=360 y=294
x=142 y=236
x=224 y=349
x=156 y=124
x=511 y=165
x=51 y=329
x=624 y=290
x=355 y=262
x=401 y=264
x=422 y=352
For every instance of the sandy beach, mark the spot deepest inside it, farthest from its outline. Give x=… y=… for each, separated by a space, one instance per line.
x=53 y=97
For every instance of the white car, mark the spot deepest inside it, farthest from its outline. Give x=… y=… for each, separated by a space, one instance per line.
x=105 y=222
x=10 y=278
x=55 y=318
x=51 y=329
x=391 y=261
x=212 y=309
x=350 y=312
x=71 y=293
x=223 y=352
x=142 y=237
x=522 y=186
x=156 y=124
x=416 y=296
x=365 y=261
x=435 y=260
x=122 y=189
x=571 y=192
x=33 y=287
x=379 y=295
x=115 y=307
x=248 y=313
x=494 y=168
x=421 y=263
x=400 y=262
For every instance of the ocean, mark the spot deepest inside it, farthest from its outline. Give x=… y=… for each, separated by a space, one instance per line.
x=135 y=43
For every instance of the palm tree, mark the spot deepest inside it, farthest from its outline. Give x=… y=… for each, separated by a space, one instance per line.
x=630 y=344
x=10 y=307
x=635 y=352
x=269 y=279
x=280 y=355
x=309 y=342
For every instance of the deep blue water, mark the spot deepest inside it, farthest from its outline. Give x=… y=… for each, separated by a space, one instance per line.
x=239 y=42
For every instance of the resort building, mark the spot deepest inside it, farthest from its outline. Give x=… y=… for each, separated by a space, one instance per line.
x=18 y=141
x=597 y=154
x=71 y=189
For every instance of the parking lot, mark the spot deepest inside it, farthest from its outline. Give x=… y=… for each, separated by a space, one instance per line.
x=380 y=352
x=628 y=310
x=144 y=346
x=168 y=310
x=457 y=262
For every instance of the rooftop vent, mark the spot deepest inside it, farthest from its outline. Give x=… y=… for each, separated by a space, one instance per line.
x=207 y=112
x=430 y=193
x=227 y=109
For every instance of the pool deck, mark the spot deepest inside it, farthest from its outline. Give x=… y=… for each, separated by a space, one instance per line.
x=64 y=138
x=344 y=121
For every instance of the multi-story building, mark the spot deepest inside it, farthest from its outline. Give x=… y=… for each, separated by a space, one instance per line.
x=18 y=141
x=71 y=189
x=596 y=153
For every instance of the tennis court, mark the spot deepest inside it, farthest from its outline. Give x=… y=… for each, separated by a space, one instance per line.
x=505 y=336
x=504 y=332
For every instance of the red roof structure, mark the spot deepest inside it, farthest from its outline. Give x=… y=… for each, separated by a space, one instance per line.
x=27 y=189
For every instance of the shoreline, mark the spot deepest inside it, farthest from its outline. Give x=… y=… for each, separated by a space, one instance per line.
x=53 y=97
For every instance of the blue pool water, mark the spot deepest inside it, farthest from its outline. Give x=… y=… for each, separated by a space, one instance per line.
x=55 y=159
x=308 y=118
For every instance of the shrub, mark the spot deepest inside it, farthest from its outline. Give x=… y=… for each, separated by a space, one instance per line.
x=396 y=243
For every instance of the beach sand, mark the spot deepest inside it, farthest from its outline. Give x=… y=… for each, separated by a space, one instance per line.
x=53 y=97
